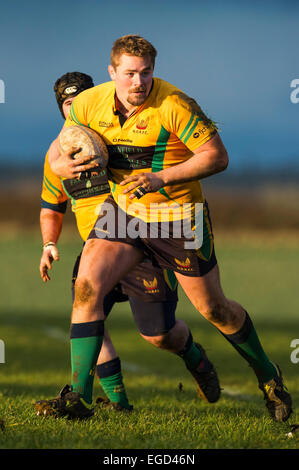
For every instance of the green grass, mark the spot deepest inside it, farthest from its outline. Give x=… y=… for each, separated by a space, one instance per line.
x=34 y=324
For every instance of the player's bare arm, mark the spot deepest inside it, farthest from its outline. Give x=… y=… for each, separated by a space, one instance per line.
x=208 y=159
x=51 y=225
x=64 y=165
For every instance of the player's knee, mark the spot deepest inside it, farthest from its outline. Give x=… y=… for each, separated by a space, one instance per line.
x=159 y=341
x=84 y=292
x=216 y=313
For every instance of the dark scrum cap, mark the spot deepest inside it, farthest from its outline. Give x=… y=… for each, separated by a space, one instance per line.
x=71 y=84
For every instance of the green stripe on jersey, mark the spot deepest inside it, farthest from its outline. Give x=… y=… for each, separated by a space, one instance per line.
x=164 y=193
x=73 y=201
x=187 y=127
x=49 y=189
x=52 y=186
x=191 y=130
x=160 y=148
x=74 y=117
x=159 y=154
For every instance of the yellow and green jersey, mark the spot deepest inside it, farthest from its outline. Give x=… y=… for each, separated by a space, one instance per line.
x=161 y=133
x=86 y=196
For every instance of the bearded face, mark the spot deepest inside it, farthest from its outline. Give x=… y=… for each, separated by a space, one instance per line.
x=133 y=79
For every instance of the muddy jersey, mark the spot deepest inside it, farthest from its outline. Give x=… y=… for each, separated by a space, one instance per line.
x=162 y=132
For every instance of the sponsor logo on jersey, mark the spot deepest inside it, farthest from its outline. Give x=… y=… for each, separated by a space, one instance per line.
x=129 y=156
x=123 y=140
x=200 y=132
x=105 y=124
x=95 y=185
x=142 y=124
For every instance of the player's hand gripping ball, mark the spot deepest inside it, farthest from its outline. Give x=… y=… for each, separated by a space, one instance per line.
x=81 y=142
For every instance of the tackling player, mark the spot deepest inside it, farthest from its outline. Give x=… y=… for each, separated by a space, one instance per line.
x=152 y=292
x=160 y=146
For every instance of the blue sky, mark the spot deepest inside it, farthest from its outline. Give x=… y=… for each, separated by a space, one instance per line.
x=236 y=58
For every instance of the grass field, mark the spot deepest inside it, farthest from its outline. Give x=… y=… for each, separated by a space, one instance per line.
x=259 y=272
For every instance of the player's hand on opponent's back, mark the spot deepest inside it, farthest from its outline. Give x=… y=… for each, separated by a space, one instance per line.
x=142 y=183
x=66 y=166
x=50 y=254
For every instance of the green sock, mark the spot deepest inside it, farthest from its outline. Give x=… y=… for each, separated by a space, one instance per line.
x=111 y=380
x=191 y=354
x=248 y=345
x=86 y=343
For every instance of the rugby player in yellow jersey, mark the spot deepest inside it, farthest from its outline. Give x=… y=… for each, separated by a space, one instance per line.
x=152 y=292
x=160 y=146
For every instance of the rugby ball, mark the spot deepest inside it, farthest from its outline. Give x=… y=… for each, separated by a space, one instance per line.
x=81 y=142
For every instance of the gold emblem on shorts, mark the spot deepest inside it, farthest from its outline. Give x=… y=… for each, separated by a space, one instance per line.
x=151 y=287
x=184 y=265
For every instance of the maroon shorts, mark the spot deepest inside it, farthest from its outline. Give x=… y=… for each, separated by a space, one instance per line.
x=164 y=247
x=147 y=282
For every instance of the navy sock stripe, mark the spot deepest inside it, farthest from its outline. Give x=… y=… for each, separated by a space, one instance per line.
x=242 y=335
x=109 y=368
x=88 y=329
